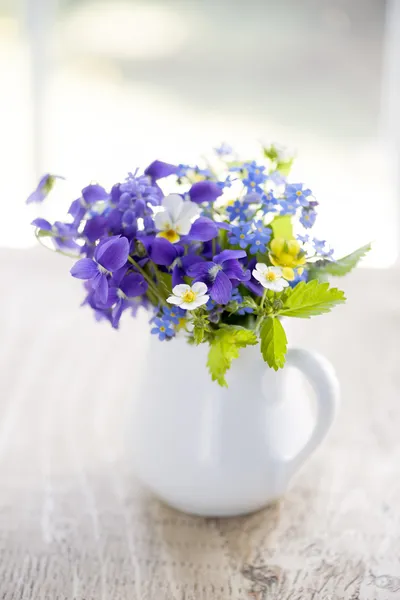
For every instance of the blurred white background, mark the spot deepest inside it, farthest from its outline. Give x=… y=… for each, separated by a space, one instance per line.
x=94 y=88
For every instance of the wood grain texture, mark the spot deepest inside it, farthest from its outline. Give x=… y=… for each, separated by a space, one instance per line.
x=74 y=522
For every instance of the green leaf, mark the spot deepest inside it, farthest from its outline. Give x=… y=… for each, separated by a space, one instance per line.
x=282 y=227
x=198 y=334
x=225 y=347
x=311 y=298
x=285 y=167
x=273 y=342
x=342 y=266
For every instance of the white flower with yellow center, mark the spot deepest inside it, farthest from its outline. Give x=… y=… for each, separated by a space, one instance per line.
x=189 y=297
x=271 y=278
x=176 y=218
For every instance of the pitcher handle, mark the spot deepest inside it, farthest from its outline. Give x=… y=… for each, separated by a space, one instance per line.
x=320 y=373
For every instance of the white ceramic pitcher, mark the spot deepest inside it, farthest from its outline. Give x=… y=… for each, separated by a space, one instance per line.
x=216 y=451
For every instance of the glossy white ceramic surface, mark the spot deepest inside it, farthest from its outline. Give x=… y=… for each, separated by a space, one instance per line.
x=216 y=451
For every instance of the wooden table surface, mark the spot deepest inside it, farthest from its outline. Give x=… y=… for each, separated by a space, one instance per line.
x=74 y=522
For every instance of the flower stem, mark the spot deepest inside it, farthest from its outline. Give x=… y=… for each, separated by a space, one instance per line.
x=39 y=239
x=263 y=299
x=151 y=283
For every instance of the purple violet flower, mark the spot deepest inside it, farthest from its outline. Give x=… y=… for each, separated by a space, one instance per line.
x=252 y=284
x=219 y=273
x=110 y=255
x=122 y=289
x=159 y=169
x=43 y=188
x=204 y=191
x=62 y=234
x=90 y=195
x=203 y=230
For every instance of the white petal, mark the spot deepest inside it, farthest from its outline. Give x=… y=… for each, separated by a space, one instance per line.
x=162 y=220
x=174 y=300
x=180 y=289
x=173 y=205
x=189 y=210
x=261 y=267
x=277 y=285
x=200 y=300
x=199 y=288
x=259 y=276
x=182 y=226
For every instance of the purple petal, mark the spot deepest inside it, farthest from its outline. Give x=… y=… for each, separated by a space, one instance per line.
x=113 y=253
x=204 y=191
x=94 y=193
x=200 y=270
x=85 y=268
x=133 y=285
x=129 y=223
x=254 y=286
x=76 y=210
x=119 y=275
x=229 y=254
x=35 y=196
x=117 y=312
x=65 y=244
x=223 y=225
x=159 y=169
x=114 y=220
x=42 y=224
x=43 y=188
x=234 y=270
x=115 y=193
x=221 y=289
x=162 y=252
x=95 y=228
x=203 y=230
x=189 y=260
x=100 y=286
x=178 y=275
x=112 y=298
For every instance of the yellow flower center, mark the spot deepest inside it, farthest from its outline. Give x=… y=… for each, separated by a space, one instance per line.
x=189 y=296
x=252 y=183
x=162 y=328
x=242 y=236
x=299 y=193
x=271 y=276
x=170 y=234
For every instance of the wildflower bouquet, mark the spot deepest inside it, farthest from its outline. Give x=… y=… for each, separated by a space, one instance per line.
x=220 y=260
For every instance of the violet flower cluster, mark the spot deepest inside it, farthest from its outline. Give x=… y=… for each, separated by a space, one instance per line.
x=232 y=236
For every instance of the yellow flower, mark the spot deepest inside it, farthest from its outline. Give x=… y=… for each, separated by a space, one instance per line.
x=288 y=255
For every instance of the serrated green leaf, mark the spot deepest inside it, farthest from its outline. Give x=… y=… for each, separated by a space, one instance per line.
x=225 y=347
x=312 y=298
x=273 y=343
x=282 y=227
x=340 y=267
